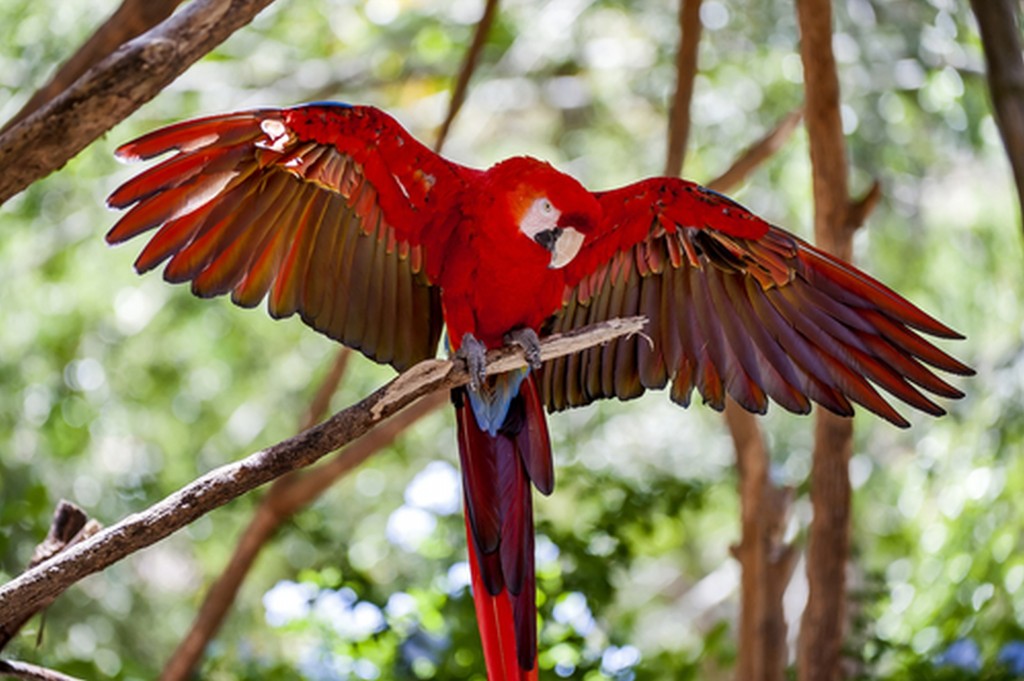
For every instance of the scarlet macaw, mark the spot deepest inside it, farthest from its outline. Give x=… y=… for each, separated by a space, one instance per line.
x=341 y=215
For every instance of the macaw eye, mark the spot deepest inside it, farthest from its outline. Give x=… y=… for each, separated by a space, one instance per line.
x=546 y=206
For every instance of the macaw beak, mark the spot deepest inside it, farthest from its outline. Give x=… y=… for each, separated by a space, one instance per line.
x=562 y=242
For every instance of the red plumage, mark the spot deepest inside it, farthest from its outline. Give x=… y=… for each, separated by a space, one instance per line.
x=338 y=214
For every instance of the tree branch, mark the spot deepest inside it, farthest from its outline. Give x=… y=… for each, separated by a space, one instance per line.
x=757 y=153
x=26 y=592
x=469 y=64
x=999 y=22
x=686 y=73
x=69 y=526
x=132 y=18
x=286 y=496
x=767 y=560
x=114 y=88
x=322 y=399
x=31 y=672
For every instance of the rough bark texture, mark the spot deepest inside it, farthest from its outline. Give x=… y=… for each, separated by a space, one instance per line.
x=114 y=88
x=30 y=672
x=999 y=21
x=821 y=630
x=69 y=526
x=25 y=593
x=131 y=19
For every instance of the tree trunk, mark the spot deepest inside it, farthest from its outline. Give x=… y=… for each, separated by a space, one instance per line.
x=821 y=629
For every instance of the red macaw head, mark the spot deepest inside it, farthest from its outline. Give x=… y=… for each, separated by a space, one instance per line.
x=550 y=208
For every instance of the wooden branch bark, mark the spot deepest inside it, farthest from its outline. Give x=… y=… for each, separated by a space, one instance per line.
x=114 y=88
x=26 y=592
x=765 y=559
x=131 y=19
x=69 y=526
x=686 y=74
x=999 y=22
x=30 y=672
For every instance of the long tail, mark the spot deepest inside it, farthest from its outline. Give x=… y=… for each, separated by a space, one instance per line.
x=496 y=472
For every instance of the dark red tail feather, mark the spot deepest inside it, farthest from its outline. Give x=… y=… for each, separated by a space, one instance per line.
x=496 y=473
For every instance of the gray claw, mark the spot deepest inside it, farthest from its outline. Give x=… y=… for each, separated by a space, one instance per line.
x=526 y=338
x=474 y=353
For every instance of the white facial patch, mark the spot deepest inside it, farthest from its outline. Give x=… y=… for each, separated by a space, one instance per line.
x=539 y=217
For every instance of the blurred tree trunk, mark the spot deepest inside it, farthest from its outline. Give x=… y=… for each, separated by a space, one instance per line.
x=766 y=561
x=821 y=629
x=999 y=21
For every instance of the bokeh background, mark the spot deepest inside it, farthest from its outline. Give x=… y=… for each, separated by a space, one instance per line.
x=116 y=389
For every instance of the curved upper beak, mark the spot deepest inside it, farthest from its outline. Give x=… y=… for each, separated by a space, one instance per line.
x=562 y=242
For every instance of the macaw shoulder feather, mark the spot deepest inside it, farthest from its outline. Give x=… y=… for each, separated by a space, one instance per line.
x=322 y=208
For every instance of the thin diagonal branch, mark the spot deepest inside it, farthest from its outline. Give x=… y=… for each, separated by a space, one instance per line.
x=469 y=64
x=31 y=672
x=114 y=88
x=129 y=20
x=26 y=592
x=322 y=399
x=686 y=74
x=757 y=153
x=286 y=496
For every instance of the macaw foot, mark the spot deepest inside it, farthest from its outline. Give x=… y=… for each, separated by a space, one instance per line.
x=474 y=354
x=527 y=339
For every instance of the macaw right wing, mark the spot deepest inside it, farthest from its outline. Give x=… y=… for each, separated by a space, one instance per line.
x=737 y=307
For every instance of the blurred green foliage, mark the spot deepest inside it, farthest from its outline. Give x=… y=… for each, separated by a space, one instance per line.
x=118 y=389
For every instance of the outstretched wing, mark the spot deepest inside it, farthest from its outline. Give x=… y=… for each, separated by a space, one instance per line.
x=737 y=307
x=322 y=206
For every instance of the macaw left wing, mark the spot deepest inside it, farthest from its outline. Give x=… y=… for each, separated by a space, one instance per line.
x=322 y=208
x=737 y=307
